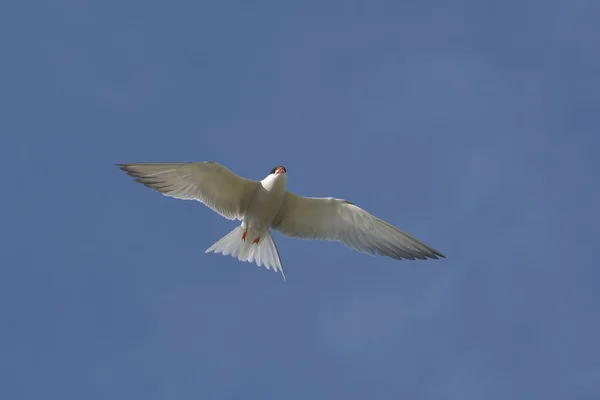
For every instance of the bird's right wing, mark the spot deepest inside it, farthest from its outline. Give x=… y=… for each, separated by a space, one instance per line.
x=339 y=220
x=208 y=182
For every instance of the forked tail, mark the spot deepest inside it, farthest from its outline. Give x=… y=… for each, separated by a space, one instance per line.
x=264 y=253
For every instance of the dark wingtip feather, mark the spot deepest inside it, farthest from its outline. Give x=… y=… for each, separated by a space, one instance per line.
x=124 y=167
x=438 y=254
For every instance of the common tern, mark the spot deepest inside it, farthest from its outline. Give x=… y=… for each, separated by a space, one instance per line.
x=266 y=204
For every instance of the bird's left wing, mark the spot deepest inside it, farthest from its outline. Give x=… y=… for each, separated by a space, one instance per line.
x=208 y=182
x=339 y=220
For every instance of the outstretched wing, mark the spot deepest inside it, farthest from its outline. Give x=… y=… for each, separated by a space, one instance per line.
x=208 y=182
x=339 y=220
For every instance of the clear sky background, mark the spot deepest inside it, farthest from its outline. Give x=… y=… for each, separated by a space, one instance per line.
x=472 y=125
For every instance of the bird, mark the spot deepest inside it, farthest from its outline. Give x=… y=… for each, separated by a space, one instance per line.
x=267 y=204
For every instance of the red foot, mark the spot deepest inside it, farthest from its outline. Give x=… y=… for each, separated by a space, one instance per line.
x=256 y=240
x=244 y=235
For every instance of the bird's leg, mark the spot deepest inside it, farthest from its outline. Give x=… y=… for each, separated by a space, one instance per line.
x=244 y=235
x=256 y=240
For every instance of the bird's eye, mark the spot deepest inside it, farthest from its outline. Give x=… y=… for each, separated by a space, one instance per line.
x=274 y=170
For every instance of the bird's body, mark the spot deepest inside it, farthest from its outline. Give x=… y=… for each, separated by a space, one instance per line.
x=267 y=204
x=256 y=242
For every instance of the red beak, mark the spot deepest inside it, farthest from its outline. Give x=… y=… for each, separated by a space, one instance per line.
x=280 y=171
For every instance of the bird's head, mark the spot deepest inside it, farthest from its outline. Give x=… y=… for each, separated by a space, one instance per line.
x=278 y=170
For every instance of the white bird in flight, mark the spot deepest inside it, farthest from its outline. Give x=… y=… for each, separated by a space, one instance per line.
x=262 y=205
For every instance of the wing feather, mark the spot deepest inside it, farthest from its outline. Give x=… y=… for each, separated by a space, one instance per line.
x=339 y=220
x=207 y=182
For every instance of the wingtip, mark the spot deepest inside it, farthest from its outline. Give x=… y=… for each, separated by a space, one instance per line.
x=123 y=167
x=435 y=256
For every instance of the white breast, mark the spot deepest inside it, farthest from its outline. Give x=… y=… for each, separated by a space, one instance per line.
x=266 y=203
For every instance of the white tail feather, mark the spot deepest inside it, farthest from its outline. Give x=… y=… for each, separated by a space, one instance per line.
x=264 y=253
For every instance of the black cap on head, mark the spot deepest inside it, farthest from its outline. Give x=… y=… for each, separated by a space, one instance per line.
x=275 y=169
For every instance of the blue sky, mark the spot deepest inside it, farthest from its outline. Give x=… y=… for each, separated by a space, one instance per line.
x=472 y=125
